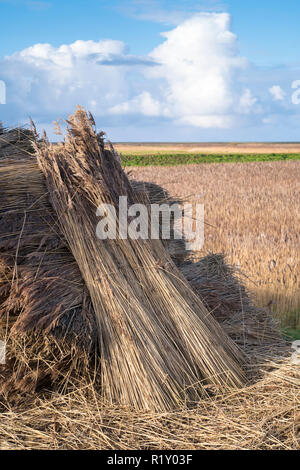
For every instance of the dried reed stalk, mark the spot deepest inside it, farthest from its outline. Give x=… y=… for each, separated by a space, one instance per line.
x=262 y=416
x=158 y=344
x=34 y=258
x=16 y=142
x=41 y=283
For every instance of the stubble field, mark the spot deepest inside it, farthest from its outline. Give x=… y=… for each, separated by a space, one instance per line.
x=143 y=148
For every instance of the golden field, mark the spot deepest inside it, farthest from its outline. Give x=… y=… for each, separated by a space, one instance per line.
x=208 y=147
x=252 y=215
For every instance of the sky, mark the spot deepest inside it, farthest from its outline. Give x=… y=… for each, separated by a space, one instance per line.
x=154 y=70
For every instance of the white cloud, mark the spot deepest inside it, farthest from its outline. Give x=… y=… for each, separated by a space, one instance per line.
x=199 y=63
x=277 y=93
x=247 y=101
x=43 y=80
x=296 y=94
x=207 y=121
x=194 y=79
x=140 y=104
x=195 y=76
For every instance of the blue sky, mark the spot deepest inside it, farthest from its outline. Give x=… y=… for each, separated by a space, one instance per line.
x=223 y=71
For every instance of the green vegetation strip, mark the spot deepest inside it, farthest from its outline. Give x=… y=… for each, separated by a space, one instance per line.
x=292 y=333
x=172 y=159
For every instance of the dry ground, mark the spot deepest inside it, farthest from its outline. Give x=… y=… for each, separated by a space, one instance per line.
x=251 y=214
x=264 y=415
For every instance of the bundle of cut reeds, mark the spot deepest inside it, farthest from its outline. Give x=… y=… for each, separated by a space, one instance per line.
x=41 y=282
x=16 y=142
x=159 y=346
x=34 y=256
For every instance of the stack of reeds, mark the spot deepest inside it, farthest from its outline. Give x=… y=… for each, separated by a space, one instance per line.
x=159 y=346
x=42 y=285
x=16 y=142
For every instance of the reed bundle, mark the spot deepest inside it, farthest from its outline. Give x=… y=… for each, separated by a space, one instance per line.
x=35 y=258
x=159 y=346
x=143 y=306
x=16 y=142
x=41 y=283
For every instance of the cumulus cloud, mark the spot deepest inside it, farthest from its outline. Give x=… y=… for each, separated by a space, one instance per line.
x=197 y=76
x=277 y=93
x=296 y=94
x=194 y=78
x=247 y=101
x=200 y=63
x=43 y=80
x=141 y=104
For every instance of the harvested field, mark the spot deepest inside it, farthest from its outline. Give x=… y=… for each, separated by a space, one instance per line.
x=252 y=215
x=207 y=147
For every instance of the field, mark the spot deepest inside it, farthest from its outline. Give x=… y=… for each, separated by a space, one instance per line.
x=144 y=148
x=186 y=154
x=252 y=215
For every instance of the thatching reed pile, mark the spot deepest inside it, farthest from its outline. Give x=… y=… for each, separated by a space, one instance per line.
x=16 y=142
x=158 y=344
x=93 y=326
x=43 y=283
x=159 y=347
